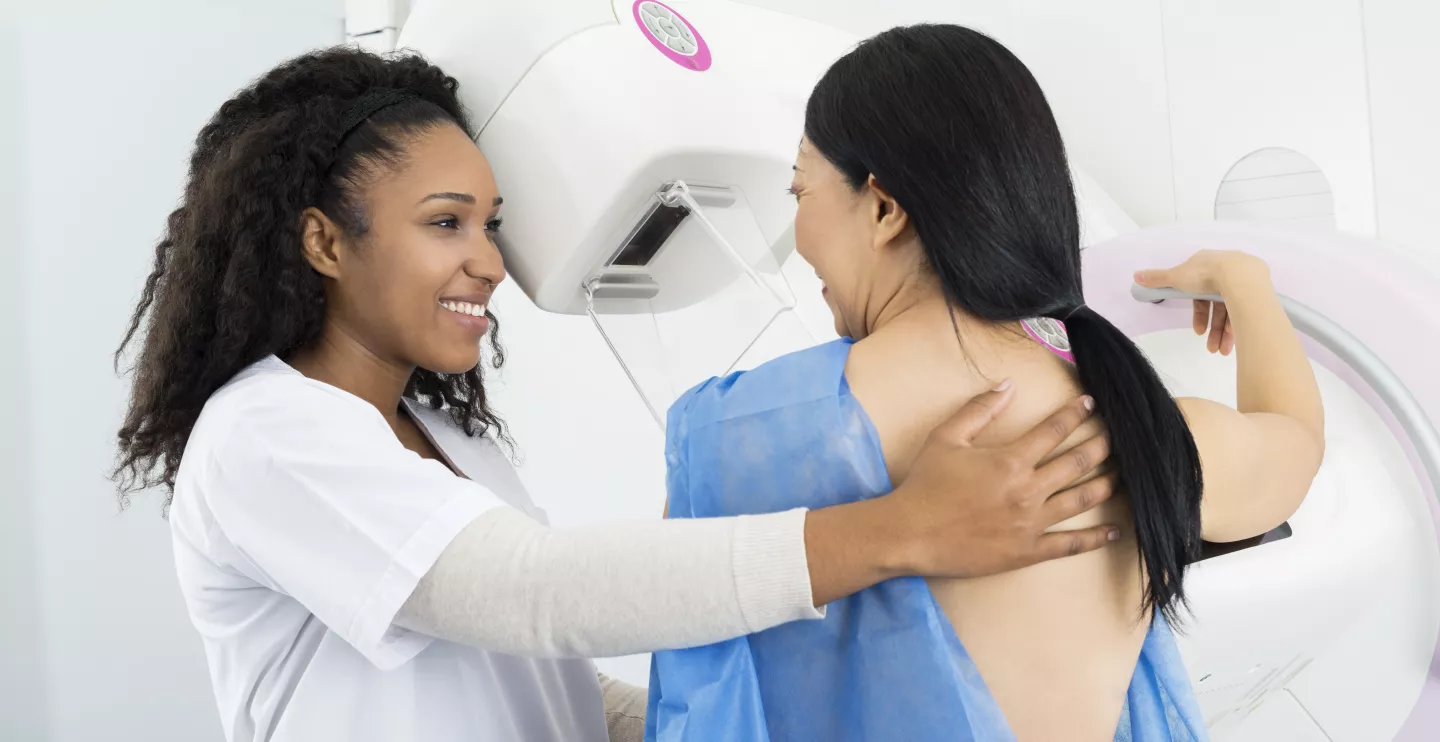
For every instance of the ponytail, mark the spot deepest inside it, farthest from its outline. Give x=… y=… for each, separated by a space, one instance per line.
x=1153 y=452
x=958 y=131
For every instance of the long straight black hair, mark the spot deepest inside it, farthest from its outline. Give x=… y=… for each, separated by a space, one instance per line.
x=958 y=131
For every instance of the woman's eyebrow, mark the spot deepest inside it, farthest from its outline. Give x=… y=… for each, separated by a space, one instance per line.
x=450 y=196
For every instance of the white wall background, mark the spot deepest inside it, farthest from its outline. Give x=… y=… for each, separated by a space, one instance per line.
x=1158 y=98
x=22 y=669
x=1090 y=57
x=1403 y=62
x=1246 y=75
x=107 y=99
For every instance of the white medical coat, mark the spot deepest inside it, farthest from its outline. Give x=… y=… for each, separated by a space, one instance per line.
x=301 y=525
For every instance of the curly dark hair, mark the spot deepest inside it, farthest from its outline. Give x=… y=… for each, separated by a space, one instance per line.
x=230 y=285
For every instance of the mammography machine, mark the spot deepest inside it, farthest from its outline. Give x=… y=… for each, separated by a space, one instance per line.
x=644 y=150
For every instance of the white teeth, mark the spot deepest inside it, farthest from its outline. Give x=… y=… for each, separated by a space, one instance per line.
x=465 y=307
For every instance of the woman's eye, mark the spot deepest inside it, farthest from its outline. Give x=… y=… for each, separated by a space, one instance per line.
x=494 y=224
x=448 y=222
x=791 y=190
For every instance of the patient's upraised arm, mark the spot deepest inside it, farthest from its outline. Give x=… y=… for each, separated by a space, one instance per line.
x=1260 y=458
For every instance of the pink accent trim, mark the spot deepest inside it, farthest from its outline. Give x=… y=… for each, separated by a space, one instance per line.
x=699 y=61
x=1369 y=289
x=1067 y=355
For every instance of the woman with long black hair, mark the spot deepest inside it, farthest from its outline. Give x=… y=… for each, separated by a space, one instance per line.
x=935 y=202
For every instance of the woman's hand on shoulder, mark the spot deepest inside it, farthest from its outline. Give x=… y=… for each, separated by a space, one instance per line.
x=975 y=510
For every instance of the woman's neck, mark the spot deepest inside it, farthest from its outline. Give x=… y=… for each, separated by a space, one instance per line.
x=341 y=360
x=918 y=301
x=919 y=314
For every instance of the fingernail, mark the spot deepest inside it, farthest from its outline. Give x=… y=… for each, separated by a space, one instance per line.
x=1112 y=535
x=1139 y=276
x=1002 y=386
x=1088 y=401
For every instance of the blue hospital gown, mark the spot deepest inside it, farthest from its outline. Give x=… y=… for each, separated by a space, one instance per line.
x=885 y=663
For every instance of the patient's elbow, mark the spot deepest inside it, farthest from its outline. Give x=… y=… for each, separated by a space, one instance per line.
x=1303 y=449
x=1298 y=476
x=1289 y=483
x=1313 y=453
x=1314 y=428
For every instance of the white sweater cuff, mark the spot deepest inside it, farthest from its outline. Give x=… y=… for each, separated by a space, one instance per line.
x=772 y=574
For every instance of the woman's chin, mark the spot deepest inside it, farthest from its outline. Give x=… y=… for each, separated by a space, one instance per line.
x=454 y=363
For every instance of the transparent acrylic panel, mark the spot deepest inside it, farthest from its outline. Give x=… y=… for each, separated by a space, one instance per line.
x=693 y=291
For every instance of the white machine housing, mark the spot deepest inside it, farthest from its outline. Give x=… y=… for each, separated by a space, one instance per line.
x=680 y=292
x=534 y=75
x=574 y=182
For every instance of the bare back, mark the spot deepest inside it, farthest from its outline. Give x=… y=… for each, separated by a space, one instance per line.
x=1056 y=643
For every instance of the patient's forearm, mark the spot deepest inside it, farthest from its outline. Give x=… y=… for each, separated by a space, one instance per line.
x=1273 y=374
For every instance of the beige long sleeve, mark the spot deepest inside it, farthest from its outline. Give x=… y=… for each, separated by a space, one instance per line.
x=507 y=583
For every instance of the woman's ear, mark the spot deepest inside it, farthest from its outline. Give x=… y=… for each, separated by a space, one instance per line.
x=891 y=221
x=320 y=241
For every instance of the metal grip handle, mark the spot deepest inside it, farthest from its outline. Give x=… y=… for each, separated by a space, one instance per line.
x=1155 y=296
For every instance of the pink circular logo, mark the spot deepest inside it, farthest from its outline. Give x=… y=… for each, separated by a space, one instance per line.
x=672 y=35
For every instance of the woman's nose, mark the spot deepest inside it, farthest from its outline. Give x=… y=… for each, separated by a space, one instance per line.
x=486 y=263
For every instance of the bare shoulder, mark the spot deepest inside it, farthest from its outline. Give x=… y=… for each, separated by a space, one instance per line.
x=907 y=387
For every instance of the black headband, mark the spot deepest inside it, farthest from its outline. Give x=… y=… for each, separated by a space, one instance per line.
x=1065 y=313
x=368 y=105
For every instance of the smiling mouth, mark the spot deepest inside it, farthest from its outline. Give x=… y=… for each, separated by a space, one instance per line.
x=465 y=307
